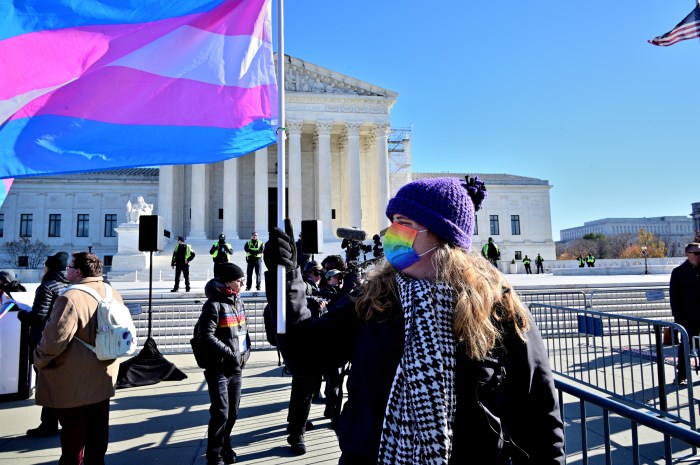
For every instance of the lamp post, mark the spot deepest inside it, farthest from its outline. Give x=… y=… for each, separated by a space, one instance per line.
x=644 y=253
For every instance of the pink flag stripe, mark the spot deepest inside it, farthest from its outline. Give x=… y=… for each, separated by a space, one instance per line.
x=61 y=55
x=106 y=95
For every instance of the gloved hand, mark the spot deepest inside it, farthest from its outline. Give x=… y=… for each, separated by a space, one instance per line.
x=280 y=248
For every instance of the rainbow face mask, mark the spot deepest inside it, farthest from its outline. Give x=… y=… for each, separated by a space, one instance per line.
x=398 y=246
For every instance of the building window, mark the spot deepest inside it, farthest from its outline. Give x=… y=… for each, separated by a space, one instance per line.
x=83 y=229
x=110 y=225
x=518 y=255
x=476 y=225
x=515 y=225
x=25 y=225
x=493 y=222
x=2 y=224
x=108 y=260
x=54 y=225
x=221 y=213
x=22 y=261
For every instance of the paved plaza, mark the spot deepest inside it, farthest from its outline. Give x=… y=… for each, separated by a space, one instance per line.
x=166 y=423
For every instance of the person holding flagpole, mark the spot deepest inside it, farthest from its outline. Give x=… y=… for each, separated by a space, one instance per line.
x=447 y=365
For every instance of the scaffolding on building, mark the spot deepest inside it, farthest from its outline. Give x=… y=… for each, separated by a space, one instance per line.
x=399 y=158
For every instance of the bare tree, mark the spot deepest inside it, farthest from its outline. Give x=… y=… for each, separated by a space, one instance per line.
x=618 y=243
x=35 y=251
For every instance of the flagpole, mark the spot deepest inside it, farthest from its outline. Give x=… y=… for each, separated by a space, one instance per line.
x=281 y=198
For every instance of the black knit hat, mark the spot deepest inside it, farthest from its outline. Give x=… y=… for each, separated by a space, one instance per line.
x=57 y=262
x=228 y=272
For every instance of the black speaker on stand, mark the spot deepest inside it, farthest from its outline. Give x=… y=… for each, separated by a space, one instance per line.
x=312 y=237
x=149 y=366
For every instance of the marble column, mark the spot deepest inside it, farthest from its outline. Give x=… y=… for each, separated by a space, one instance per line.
x=382 y=167
x=231 y=198
x=351 y=184
x=198 y=202
x=323 y=173
x=164 y=209
x=261 y=186
x=294 y=128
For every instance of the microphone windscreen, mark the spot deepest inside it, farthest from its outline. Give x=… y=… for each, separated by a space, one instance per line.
x=352 y=234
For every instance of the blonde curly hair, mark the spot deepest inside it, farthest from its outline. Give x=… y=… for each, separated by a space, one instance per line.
x=484 y=301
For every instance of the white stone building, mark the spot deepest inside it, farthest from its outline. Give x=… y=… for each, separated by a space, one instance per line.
x=675 y=231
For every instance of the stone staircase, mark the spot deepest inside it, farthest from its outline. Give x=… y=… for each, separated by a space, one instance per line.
x=174 y=317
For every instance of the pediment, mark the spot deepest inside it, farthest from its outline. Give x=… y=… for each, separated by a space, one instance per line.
x=302 y=76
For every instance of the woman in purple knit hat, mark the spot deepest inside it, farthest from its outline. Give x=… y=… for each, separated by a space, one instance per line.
x=447 y=365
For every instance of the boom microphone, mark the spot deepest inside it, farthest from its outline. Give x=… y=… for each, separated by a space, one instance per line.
x=352 y=234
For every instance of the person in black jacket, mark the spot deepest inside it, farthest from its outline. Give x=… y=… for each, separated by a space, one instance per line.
x=684 y=293
x=180 y=262
x=52 y=284
x=446 y=364
x=222 y=332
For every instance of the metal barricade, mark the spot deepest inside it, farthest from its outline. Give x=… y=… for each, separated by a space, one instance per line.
x=568 y=299
x=619 y=355
x=647 y=302
x=173 y=322
x=636 y=418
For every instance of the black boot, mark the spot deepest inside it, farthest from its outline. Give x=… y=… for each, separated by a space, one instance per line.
x=297 y=443
x=42 y=431
x=228 y=456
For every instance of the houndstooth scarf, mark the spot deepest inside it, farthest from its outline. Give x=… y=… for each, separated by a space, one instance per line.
x=421 y=408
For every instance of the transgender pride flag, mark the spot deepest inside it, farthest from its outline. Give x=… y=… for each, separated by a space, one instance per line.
x=89 y=85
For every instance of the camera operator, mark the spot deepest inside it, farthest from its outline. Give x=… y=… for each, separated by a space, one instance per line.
x=352 y=250
x=220 y=252
x=378 y=249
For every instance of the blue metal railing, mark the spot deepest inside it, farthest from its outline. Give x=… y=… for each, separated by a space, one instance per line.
x=636 y=417
x=619 y=355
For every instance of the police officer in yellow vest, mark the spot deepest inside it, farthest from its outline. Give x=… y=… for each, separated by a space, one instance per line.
x=526 y=262
x=590 y=260
x=253 y=256
x=182 y=256
x=220 y=252
x=492 y=252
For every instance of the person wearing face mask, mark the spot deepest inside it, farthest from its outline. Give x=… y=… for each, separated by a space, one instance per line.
x=222 y=331
x=447 y=365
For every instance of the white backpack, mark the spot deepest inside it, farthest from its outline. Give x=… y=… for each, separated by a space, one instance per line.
x=116 y=333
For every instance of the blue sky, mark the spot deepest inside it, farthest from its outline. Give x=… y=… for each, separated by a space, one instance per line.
x=570 y=92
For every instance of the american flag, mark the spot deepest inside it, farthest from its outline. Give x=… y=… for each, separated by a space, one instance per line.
x=689 y=28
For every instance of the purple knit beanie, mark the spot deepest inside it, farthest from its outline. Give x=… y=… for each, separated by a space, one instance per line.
x=445 y=206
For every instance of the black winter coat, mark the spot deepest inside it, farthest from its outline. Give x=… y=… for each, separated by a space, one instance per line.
x=46 y=294
x=220 y=328
x=684 y=293
x=508 y=410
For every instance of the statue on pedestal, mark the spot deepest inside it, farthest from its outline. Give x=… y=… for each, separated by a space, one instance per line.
x=135 y=210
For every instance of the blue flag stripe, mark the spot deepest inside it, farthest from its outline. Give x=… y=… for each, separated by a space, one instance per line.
x=20 y=16
x=26 y=150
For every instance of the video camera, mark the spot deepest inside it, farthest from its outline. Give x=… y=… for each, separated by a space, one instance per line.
x=352 y=243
